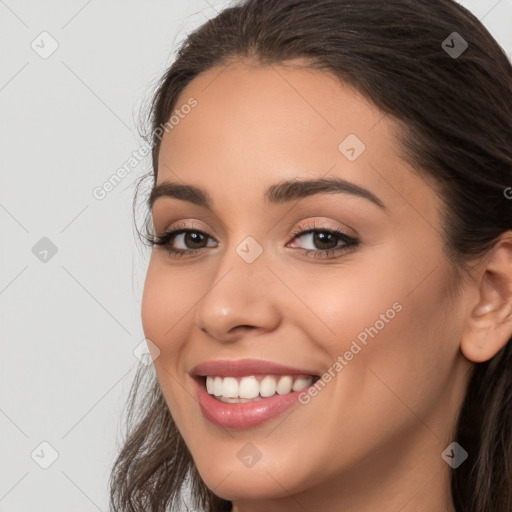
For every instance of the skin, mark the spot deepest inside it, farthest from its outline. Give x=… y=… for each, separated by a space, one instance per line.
x=372 y=438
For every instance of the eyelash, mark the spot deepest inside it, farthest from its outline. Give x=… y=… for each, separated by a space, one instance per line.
x=350 y=243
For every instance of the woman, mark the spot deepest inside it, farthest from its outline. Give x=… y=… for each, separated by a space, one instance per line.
x=330 y=287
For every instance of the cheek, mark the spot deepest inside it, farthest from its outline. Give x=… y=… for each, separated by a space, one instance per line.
x=391 y=324
x=396 y=350
x=167 y=311
x=350 y=303
x=166 y=301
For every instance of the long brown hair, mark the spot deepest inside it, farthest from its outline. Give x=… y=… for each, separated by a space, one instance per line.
x=456 y=114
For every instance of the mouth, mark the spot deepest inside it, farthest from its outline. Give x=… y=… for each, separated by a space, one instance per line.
x=253 y=388
x=247 y=393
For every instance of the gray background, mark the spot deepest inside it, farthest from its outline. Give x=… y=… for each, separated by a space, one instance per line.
x=70 y=321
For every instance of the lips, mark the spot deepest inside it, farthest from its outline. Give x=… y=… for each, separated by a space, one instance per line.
x=245 y=414
x=246 y=367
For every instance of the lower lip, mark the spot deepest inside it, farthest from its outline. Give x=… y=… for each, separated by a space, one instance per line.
x=245 y=415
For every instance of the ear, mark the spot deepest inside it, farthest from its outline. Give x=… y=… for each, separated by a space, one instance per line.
x=490 y=325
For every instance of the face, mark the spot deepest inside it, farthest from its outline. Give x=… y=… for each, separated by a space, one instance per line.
x=342 y=281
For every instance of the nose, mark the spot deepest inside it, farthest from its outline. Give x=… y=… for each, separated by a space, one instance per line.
x=241 y=298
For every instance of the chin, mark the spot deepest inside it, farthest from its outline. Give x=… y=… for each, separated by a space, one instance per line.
x=270 y=477
x=247 y=484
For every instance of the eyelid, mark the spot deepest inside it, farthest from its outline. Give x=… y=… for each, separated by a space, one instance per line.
x=171 y=216
x=309 y=225
x=318 y=223
x=188 y=225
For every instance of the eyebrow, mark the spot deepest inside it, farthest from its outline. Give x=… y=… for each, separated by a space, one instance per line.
x=276 y=194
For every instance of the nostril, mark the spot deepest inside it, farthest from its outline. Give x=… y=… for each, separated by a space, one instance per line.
x=242 y=327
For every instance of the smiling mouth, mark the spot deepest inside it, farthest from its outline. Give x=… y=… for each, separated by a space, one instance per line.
x=253 y=388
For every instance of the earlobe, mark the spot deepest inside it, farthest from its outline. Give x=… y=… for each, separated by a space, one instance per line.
x=489 y=326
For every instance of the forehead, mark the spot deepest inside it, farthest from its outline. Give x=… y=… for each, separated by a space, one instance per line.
x=274 y=108
x=257 y=124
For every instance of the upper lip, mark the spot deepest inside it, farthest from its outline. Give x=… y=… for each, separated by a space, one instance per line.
x=243 y=367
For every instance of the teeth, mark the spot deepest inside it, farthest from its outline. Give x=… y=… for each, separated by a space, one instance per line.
x=284 y=386
x=301 y=383
x=210 y=386
x=268 y=386
x=229 y=387
x=217 y=386
x=251 y=387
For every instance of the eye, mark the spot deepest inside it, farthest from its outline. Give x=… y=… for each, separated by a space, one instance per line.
x=317 y=241
x=182 y=241
x=324 y=242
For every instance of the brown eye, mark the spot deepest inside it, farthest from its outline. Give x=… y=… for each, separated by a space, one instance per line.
x=179 y=242
x=324 y=240
x=194 y=239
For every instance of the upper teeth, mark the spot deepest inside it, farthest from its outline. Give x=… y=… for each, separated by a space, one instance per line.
x=252 y=386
